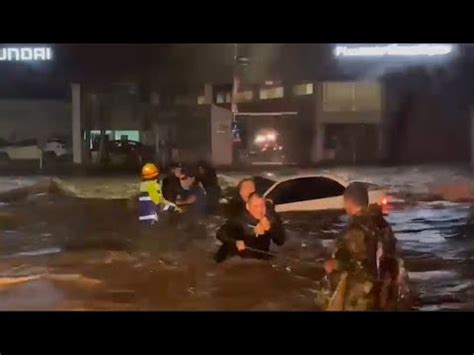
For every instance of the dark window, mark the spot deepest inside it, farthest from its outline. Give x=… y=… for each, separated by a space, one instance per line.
x=303 y=189
x=262 y=184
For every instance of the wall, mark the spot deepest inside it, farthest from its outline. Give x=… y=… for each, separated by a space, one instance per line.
x=347 y=111
x=38 y=119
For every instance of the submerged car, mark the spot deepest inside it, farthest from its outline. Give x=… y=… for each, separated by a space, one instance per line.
x=311 y=192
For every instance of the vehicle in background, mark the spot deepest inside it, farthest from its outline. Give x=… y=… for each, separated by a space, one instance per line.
x=125 y=152
x=22 y=150
x=311 y=192
x=55 y=148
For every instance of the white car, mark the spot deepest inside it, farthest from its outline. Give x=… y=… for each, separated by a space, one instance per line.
x=311 y=192
x=55 y=147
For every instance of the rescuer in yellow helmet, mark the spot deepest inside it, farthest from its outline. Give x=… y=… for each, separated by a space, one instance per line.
x=151 y=201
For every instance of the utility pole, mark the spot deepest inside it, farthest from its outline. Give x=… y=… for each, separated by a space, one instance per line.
x=235 y=83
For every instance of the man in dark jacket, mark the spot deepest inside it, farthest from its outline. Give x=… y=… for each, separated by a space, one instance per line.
x=171 y=185
x=237 y=204
x=366 y=253
x=208 y=177
x=249 y=235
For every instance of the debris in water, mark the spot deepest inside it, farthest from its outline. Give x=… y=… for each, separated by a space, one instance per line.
x=85 y=281
x=8 y=281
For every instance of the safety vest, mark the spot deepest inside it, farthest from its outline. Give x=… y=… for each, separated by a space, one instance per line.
x=149 y=201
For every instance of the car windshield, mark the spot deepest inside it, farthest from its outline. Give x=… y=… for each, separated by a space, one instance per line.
x=262 y=184
x=305 y=189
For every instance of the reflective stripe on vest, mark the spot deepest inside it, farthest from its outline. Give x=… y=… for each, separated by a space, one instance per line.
x=148 y=217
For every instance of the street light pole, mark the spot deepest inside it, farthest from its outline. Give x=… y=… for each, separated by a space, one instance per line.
x=235 y=82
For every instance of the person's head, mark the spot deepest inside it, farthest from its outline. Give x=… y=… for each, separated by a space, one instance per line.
x=175 y=169
x=356 y=198
x=202 y=167
x=256 y=206
x=246 y=187
x=187 y=178
x=150 y=171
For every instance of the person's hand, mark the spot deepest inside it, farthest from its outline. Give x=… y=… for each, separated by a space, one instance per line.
x=265 y=223
x=240 y=245
x=330 y=266
x=259 y=230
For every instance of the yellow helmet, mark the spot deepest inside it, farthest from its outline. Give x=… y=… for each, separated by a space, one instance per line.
x=150 y=171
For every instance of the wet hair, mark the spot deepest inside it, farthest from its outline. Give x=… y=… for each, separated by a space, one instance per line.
x=241 y=182
x=189 y=171
x=175 y=165
x=358 y=193
x=254 y=195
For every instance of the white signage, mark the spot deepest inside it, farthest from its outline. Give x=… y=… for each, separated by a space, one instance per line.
x=393 y=50
x=17 y=54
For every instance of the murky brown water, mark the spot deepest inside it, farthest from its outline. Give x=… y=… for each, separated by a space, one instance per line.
x=92 y=254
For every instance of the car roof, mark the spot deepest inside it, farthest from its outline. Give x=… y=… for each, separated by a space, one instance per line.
x=328 y=176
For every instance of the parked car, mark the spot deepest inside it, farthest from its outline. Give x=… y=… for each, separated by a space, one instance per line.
x=127 y=151
x=22 y=150
x=55 y=148
x=311 y=192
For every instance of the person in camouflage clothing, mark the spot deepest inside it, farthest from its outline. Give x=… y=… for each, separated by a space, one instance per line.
x=366 y=253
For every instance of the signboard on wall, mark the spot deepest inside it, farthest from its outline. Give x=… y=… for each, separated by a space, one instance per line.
x=22 y=54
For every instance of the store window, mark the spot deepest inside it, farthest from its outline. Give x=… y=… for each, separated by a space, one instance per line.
x=352 y=96
x=303 y=89
x=223 y=97
x=271 y=93
x=244 y=96
x=201 y=100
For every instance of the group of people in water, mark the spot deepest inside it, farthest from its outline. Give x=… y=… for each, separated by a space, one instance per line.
x=364 y=261
x=192 y=190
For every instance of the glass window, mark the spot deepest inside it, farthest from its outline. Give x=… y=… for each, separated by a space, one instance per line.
x=262 y=184
x=338 y=96
x=303 y=89
x=304 y=189
x=352 y=96
x=243 y=96
x=367 y=96
x=201 y=100
x=271 y=93
x=220 y=97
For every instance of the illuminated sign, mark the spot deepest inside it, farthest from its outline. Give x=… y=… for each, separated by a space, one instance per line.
x=20 y=54
x=393 y=50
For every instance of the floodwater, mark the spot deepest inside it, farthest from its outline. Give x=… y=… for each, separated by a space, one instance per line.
x=84 y=254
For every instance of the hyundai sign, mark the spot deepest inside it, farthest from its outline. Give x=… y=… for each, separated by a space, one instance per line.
x=21 y=54
x=393 y=50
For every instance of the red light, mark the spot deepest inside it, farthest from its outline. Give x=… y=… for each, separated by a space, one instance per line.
x=384 y=201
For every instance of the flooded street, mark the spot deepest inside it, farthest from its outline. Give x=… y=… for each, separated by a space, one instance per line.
x=91 y=254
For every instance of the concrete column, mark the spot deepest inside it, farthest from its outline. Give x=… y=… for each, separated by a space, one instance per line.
x=318 y=144
x=208 y=94
x=382 y=147
x=77 y=137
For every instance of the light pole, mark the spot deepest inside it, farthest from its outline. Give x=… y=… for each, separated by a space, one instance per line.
x=235 y=82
